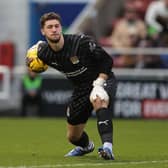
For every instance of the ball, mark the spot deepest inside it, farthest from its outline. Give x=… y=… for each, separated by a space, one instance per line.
x=35 y=64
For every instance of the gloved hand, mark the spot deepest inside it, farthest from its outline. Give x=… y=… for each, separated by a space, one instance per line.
x=98 y=90
x=33 y=62
x=32 y=52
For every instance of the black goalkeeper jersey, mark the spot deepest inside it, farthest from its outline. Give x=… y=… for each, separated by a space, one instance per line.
x=81 y=59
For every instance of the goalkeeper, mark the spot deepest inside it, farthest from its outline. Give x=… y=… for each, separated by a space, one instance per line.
x=88 y=67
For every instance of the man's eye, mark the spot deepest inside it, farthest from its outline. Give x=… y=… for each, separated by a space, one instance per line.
x=49 y=27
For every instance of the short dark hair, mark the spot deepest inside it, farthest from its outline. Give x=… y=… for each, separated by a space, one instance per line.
x=49 y=16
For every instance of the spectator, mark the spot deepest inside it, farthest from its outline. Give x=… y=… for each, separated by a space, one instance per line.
x=128 y=30
x=127 y=33
x=139 y=5
x=157 y=19
x=31 y=93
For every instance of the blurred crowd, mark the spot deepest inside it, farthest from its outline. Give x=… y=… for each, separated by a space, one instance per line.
x=139 y=24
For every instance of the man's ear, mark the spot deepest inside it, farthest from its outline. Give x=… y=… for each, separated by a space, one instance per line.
x=42 y=32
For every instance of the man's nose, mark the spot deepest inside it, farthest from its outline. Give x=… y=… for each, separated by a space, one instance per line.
x=54 y=28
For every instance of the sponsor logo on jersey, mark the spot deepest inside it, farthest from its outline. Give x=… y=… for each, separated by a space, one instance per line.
x=54 y=63
x=74 y=60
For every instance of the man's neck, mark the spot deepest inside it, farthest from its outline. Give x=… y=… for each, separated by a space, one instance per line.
x=57 y=46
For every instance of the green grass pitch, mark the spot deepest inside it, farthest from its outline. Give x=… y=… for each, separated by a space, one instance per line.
x=42 y=143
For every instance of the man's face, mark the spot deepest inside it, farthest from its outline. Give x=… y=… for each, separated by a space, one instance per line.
x=52 y=30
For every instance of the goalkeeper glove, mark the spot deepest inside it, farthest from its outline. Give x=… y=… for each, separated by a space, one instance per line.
x=98 y=90
x=32 y=52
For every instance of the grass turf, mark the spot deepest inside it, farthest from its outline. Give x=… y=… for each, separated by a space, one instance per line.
x=41 y=143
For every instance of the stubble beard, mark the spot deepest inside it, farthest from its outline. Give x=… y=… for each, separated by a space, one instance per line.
x=54 y=40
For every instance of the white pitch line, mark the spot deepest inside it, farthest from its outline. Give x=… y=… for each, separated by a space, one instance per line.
x=90 y=164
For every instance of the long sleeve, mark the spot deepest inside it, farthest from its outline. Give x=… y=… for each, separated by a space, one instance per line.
x=98 y=55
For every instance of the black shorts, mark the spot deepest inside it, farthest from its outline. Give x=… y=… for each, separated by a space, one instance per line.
x=80 y=107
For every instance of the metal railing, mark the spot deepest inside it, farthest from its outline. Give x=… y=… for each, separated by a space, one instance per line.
x=137 y=51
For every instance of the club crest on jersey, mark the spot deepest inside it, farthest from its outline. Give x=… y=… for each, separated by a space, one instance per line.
x=74 y=60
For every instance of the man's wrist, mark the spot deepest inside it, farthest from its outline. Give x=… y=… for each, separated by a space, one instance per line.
x=99 y=81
